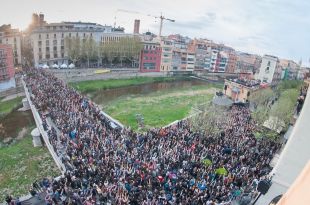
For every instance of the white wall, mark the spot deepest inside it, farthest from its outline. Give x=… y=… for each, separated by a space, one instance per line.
x=267 y=69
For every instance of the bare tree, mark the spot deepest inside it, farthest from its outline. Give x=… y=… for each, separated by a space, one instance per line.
x=207 y=119
x=73 y=48
x=261 y=97
x=26 y=52
x=89 y=50
x=128 y=49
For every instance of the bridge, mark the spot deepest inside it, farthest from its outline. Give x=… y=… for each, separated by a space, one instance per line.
x=292 y=160
x=56 y=156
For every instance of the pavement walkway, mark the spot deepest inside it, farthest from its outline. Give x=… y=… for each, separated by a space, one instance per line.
x=10 y=97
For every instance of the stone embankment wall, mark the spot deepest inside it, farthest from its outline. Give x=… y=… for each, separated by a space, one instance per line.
x=76 y=75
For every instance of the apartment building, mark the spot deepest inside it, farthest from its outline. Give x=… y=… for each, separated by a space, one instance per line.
x=166 y=55
x=270 y=71
x=12 y=37
x=190 y=60
x=176 y=59
x=7 y=71
x=150 y=57
x=232 y=62
x=248 y=63
x=48 y=39
x=289 y=69
x=222 y=62
x=212 y=61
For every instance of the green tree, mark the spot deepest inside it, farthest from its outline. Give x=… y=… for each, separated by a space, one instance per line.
x=283 y=110
x=289 y=84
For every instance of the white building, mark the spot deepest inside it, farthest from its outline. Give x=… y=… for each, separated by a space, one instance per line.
x=166 y=55
x=190 y=65
x=12 y=37
x=269 y=71
x=212 y=59
x=222 y=62
x=48 y=40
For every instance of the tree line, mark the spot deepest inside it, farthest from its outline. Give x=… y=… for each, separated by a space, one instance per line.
x=278 y=104
x=87 y=51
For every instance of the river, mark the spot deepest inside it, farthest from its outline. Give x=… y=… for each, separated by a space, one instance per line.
x=108 y=95
x=12 y=123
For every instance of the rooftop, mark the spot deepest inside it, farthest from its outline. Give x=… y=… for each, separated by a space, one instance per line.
x=245 y=82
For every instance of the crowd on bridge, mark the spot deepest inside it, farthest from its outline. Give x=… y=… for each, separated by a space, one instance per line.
x=173 y=165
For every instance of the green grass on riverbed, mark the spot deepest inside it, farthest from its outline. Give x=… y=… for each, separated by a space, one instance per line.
x=94 y=85
x=159 y=108
x=7 y=106
x=21 y=164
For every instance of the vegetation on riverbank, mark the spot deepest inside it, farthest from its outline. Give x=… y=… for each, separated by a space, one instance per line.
x=21 y=164
x=95 y=85
x=9 y=105
x=277 y=104
x=159 y=108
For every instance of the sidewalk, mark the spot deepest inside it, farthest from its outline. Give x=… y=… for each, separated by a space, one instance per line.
x=10 y=97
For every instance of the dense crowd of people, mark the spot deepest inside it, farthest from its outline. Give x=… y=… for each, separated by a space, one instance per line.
x=173 y=165
x=301 y=99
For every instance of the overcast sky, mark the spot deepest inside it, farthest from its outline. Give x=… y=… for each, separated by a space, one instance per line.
x=278 y=27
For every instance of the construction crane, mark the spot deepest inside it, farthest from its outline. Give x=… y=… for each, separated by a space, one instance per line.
x=161 y=17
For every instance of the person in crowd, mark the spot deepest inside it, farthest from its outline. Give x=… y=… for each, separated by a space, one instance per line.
x=172 y=165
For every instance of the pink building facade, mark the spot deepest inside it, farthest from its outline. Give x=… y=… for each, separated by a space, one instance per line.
x=150 y=57
x=6 y=62
x=7 y=71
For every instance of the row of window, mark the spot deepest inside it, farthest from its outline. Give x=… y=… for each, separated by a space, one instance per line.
x=62 y=48
x=149 y=58
x=48 y=56
x=47 y=42
x=105 y=38
x=151 y=52
x=110 y=38
x=149 y=66
x=150 y=47
x=63 y=35
x=71 y=27
x=7 y=42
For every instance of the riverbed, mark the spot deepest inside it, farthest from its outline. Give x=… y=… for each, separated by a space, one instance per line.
x=11 y=124
x=103 y=97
